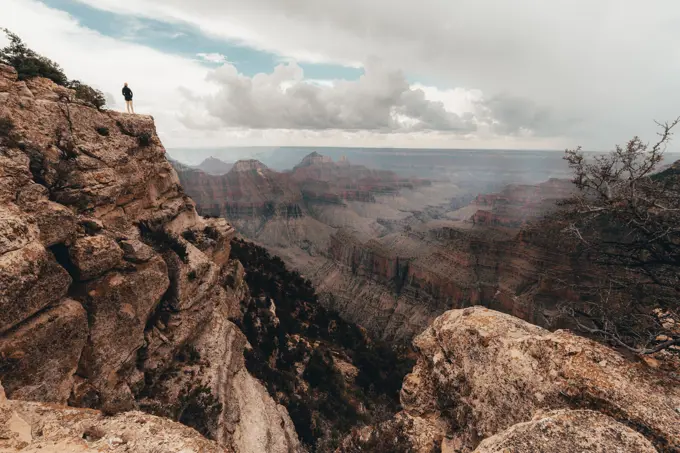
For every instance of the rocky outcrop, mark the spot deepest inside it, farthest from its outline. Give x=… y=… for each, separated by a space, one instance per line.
x=29 y=427
x=481 y=373
x=566 y=431
x=108 y=276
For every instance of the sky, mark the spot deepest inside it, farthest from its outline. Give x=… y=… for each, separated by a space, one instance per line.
x=526 y=74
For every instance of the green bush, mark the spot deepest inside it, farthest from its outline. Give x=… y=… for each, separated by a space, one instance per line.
x=88 y=94
x=102 y=130
x=29 y=64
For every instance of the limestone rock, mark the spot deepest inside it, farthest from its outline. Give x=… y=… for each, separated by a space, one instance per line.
x=566 y=431
x=15 y=231
x=136 y=251
x=94 y=255
x=119 y=305
x=30 y=279
x=479 y=372
x=41 y=428
x=40 y=356
x=56 y=223
x=252 y=434
x=90 y=194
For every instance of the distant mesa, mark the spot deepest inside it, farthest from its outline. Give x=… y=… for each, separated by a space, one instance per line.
x=214 y=166
x=248 y=165
x=314 y=158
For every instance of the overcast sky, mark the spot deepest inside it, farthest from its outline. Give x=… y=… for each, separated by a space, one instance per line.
x=539 y=74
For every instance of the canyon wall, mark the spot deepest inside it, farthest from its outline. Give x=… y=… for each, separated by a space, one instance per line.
x=390 y=263
x=115 y=294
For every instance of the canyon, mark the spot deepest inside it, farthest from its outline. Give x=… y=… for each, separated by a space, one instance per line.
x=391 y=252
x=129 y=322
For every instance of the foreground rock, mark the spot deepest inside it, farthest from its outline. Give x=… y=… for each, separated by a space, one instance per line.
x=109 y=279
x=481 y=372
x=566 y=432
x=34 y=427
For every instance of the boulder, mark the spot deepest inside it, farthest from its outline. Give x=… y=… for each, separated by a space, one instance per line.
x=29 y=427
x=40 y=357
x=567 y=431
x=479 y=372
x=92 y=256
x=30 y=280
x=136 y=251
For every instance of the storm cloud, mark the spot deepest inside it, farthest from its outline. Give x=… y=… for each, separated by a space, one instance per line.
x=380 y=100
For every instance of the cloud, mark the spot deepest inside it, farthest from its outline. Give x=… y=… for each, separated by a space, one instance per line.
x=380 y=100
x=212 y=57
x=223 y=108
x=610 y=66
x=107 y=63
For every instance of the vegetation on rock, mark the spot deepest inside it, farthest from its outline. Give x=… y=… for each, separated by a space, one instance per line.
x=30 y=64
x=625 y=219
x=300 y=350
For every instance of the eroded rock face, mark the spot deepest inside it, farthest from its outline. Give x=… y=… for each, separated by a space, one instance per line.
x=373 y=254
x=568 y=431
x=92 y=256
x=34 y=427
x=40 y=356
x=108 y=275
x=481 y=372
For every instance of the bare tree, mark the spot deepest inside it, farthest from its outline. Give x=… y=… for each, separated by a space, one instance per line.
x=625 y=220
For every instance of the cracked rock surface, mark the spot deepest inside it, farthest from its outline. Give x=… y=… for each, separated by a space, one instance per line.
x=108 y=276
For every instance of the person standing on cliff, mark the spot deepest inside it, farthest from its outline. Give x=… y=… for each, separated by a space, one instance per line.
x=127 y=93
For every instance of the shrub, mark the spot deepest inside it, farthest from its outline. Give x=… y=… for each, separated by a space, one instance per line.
x=624 y=220
x=88 y=94
x=29 y=64
x=104 y=131
x=199 y=409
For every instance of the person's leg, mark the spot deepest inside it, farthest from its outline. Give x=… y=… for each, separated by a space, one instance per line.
x=127 y=106
x=132 y=107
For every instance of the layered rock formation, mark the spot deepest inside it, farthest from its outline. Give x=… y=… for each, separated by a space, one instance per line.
x=489 y=382
x=115 y=294
x=392 y=253
x=248 y=191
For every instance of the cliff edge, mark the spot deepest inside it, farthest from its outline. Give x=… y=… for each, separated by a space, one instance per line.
x=114 y=293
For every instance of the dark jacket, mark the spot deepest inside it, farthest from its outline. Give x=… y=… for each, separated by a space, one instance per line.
x=127 y=92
